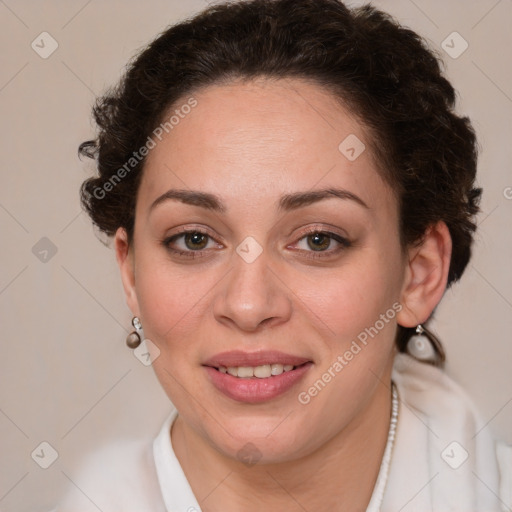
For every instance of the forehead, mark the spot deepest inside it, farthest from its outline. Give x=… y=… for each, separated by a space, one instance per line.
x=260 y=138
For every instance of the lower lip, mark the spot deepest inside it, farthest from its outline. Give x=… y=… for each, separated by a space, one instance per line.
x=254 y=390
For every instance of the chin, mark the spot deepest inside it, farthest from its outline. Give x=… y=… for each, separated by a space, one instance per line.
x=251 y=440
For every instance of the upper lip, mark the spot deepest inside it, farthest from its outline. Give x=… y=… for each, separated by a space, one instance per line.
x=262 y=357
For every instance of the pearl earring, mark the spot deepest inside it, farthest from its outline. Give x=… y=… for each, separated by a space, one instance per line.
x=419 y=348
x=134 y=339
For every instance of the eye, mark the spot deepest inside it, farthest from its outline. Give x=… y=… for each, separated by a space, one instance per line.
x=190 y=243
x=195 y=243
x=322 y=244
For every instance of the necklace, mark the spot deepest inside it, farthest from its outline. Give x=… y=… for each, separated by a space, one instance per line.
x=380 y=486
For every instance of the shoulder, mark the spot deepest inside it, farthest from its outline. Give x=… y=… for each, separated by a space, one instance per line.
x=438 y=413
x=117 y=476
x=504 y=454
x=434 y=393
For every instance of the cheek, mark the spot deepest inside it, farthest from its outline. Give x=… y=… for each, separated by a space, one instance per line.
x=352 y=297
x=171 y=301
x=359 y=304
x=173 y=306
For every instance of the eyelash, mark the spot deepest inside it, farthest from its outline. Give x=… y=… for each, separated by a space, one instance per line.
x=191 y=254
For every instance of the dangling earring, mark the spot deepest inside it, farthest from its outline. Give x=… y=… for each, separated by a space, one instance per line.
x=418 y=347
x=134 y=339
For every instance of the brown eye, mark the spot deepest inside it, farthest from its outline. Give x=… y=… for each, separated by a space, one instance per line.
x=195 y=241
x=190 y=243
x=319 y=241
x=321 y=244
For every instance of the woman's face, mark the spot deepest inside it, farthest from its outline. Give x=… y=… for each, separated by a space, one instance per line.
x=292 y=258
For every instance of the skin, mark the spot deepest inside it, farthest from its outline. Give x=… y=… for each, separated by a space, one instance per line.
x=250 y=143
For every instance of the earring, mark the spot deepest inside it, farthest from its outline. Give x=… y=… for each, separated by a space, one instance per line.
x=134 y=339
x=432 y=353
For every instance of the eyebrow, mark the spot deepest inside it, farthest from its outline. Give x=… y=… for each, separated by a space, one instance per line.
x=287 y=202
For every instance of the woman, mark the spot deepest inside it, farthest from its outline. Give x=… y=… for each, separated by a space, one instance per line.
x=290 y=194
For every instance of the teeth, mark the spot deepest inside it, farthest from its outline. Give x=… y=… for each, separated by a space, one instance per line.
x=245 y=372
x=261 y=372
x=276 y=369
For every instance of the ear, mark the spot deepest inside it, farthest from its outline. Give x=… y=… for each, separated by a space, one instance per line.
x=124 y=256
x=426 y=276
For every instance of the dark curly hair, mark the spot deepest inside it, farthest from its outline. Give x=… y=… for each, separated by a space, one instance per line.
x=385 y=75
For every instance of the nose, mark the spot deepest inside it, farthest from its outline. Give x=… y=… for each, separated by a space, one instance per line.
x=253 y=296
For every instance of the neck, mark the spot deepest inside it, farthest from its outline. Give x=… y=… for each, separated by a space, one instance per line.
x=341 y=474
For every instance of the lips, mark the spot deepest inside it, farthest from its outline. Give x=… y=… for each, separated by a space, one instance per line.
x=237 y=358
x=255 y=377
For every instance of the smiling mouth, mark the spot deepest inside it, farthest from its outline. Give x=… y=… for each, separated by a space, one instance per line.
x=260 y=372
x=231 y=374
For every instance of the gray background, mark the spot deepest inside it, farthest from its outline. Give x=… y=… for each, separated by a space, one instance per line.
x=67 y=377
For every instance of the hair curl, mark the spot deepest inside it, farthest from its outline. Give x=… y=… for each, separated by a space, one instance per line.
x=384 y=73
